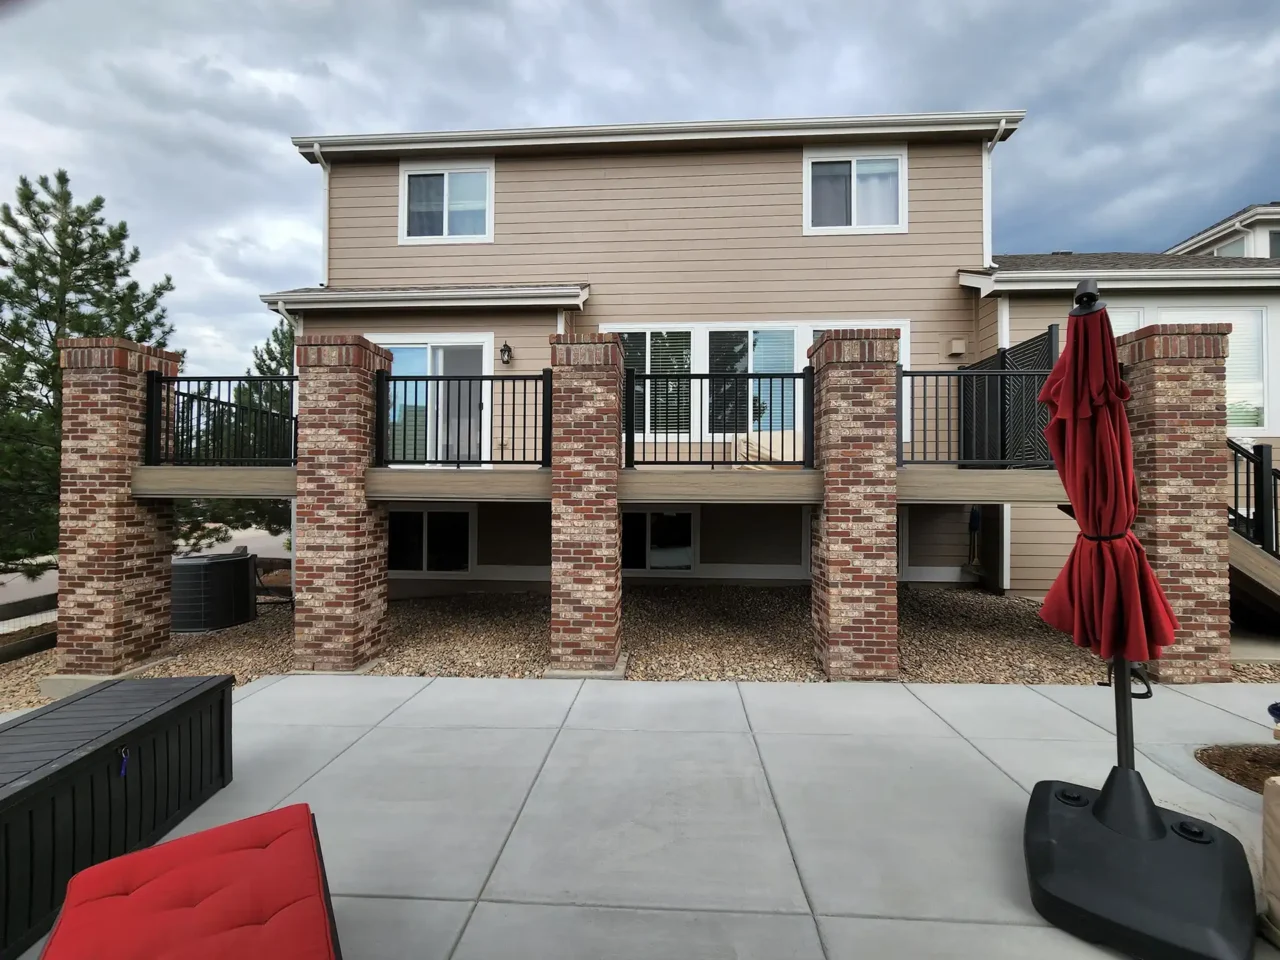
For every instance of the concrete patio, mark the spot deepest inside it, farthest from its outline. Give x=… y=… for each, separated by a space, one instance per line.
x=504 y=819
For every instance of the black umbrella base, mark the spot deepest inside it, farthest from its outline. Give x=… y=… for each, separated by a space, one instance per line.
x=1112 y=868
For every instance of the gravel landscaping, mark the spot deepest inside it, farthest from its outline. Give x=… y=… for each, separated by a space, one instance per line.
x=671 y=633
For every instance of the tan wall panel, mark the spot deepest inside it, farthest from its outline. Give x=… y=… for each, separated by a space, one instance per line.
x=937 y=534
x=1030 y=316
x=987 y=332
x=756 y=533
x=513 y=534
x=1041 y=537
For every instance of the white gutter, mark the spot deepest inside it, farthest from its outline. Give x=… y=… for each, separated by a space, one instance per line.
x=811 y=128
x=324 y=219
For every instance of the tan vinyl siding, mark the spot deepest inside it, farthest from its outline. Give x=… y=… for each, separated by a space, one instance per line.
x=937 y=535
x=1030 y=316
x=711 y=235
x=987 y=327
x=1041 y=537
x=513 y=534
x=751 y=533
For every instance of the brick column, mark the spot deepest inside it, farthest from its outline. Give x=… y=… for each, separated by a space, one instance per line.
x=114 y=552
x=586 y=524
x=340 y=539
x=1178 y=418
x=854 y=552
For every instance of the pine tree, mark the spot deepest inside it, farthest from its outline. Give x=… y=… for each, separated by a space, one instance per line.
x=64 y=272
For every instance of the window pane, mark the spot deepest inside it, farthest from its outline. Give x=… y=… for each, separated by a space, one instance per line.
x=468 y=200
x=635 y=356
x=448 y=540
x=727 y=399
x=830 y=194
x=404 y=539
x=671 y=541
x=426 y=205
x=1275 y=245
x=633 y=541
x=773 y=401
x=1233 y=249
x=408 y=361
x=670 y=353
x=877 y=193
x=1245 y=371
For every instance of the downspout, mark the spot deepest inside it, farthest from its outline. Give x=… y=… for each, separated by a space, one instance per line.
x=324 y=220
x=296 y=323
x=987 y=149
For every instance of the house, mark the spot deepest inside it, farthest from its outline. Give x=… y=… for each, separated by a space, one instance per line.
x=573 y=358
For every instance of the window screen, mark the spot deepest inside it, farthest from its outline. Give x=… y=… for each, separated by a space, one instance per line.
x=404 y=540
x=448 y=540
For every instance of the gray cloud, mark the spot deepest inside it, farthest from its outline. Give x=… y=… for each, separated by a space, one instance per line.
x=1148 y=118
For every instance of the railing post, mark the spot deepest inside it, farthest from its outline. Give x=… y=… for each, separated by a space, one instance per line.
x=1053 y=344
x=897 y=408
x=155 y=406
x=380 y=410
x=808 y=418
x=1264 y=522
x=1002 y=400
x=546 y=417
x=629 y=417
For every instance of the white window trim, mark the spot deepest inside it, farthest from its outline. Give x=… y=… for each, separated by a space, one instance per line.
x=409 y=167
x=890 y=152
x=482 y=339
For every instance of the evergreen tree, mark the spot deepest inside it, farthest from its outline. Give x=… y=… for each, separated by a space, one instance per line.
x=64 y=272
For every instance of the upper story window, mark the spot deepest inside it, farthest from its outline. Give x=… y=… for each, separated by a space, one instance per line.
x=1275 y=245
x=855 y=191
x=1234 y=248
x=446 y=203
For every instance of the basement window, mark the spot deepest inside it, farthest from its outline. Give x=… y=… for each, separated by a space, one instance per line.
x=437 y=541
x=657 y=540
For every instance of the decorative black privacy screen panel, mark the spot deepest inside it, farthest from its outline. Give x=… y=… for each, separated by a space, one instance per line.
x=464 y=420
x=1002 y=421
x=221 y=421
x=713 y=419
x=1253 y=510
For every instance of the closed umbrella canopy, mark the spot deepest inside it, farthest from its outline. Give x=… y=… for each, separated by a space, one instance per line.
x=1106 y=596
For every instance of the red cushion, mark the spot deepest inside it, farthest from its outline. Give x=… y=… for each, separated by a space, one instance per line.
x=250 y=889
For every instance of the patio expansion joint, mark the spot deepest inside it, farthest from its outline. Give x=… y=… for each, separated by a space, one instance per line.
x=782 y=823
x=533 y=782
x=1173 y=688
x=329 y=762
x=976 y=749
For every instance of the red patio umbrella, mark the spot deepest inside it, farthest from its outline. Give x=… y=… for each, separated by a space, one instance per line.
x=1106 y=596
x=1109 y=865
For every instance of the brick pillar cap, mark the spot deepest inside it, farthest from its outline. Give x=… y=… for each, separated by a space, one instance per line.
x=340 y=350
x=870 y=345
x=586 y=351
x=1174 y=341
x=115 y=353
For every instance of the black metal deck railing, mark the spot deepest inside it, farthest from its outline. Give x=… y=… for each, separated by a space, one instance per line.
x=221 y=421
x=719 y=419
x=987 y=414
x=463 y=420
x=1253 y=510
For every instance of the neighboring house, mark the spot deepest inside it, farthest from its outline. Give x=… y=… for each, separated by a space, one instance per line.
x=1251 y=232
x=1023 y=292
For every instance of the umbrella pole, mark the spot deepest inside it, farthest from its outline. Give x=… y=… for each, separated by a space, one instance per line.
x=1124 y=713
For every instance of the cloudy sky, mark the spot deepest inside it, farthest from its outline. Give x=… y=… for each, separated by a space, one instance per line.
x=1147 y=118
